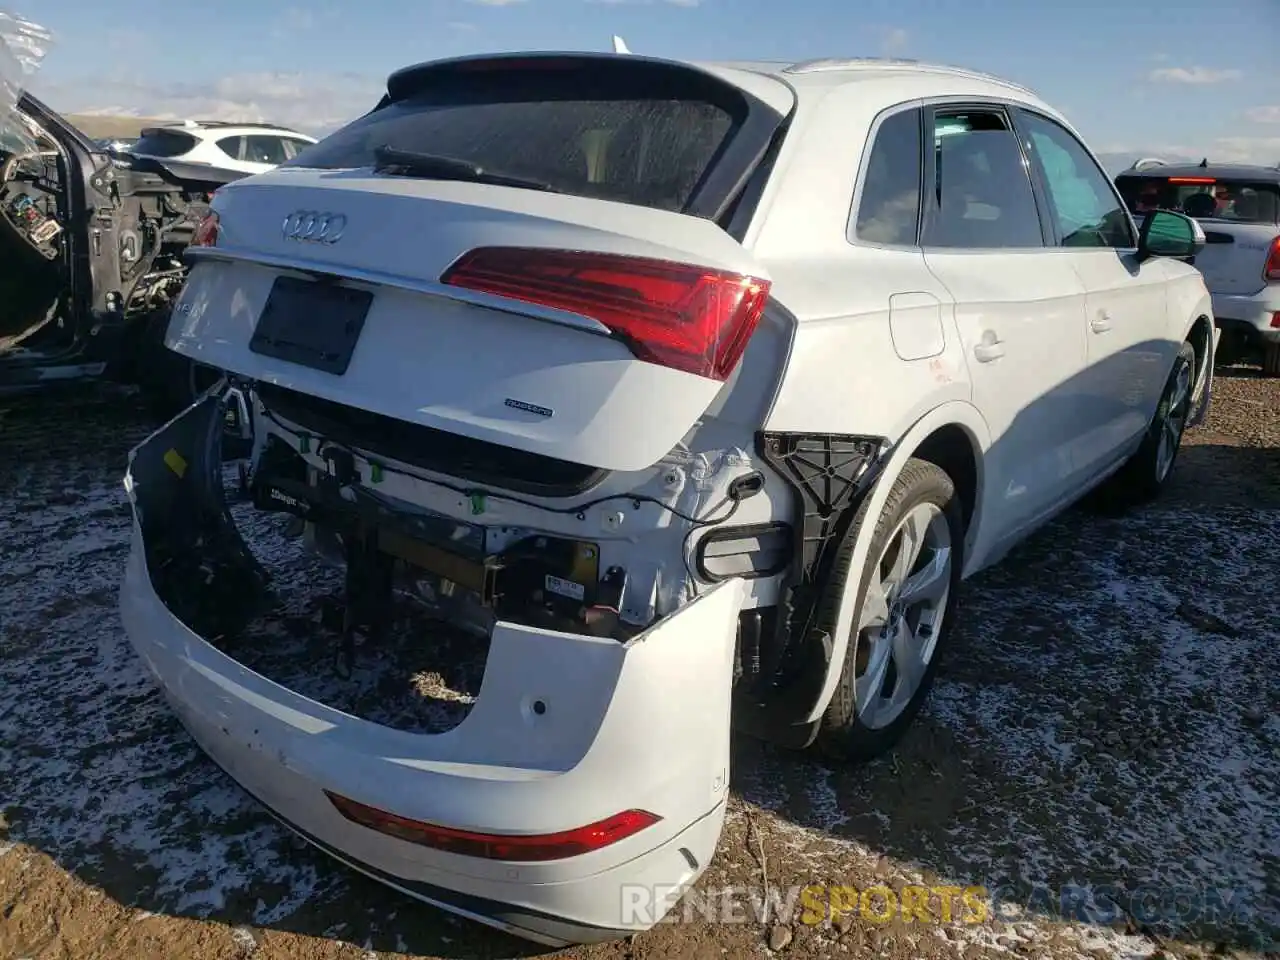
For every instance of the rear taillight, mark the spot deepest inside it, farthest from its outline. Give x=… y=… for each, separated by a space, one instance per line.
x=1271 y=272
x=520 y=848
x=206 y=232
x=677 y=315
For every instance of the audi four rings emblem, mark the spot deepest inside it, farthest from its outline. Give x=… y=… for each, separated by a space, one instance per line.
x=310 y=226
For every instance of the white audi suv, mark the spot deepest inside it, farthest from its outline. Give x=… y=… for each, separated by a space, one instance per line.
x=683 y=395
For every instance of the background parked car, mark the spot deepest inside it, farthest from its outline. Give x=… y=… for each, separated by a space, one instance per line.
x=1239 y=208
x=243 y=147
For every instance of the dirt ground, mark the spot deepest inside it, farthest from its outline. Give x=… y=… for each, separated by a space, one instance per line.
x=1105 y=733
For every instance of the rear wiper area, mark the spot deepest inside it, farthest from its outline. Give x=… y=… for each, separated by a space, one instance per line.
x=410 y=163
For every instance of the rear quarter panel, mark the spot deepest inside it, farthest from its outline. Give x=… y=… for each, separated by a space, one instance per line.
x=1187 y=297
x=844 y=374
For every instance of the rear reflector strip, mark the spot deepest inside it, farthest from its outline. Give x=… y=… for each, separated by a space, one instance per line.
x=518 y=848
x=677 y=315
x=1192 y=180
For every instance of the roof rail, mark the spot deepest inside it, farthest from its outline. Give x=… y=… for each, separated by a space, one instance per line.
x=216 y=124
x=1146 y=163
x=872 y=63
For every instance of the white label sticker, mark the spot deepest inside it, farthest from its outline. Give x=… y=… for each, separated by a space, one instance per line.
x=566 y=588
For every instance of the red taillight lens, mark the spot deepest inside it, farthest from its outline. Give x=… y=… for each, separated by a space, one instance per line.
x=206 y=232
x=523 y=848
x=1271 y=272
x=677 y=315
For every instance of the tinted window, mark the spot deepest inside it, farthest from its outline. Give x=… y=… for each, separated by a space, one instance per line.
x=163 y=143
x=1214 y=198
x=232 y=146
x=628 y=142
x=295 y=146
x=981 y=194
x=1083 y=204
x=264 y=149
x=890 y=202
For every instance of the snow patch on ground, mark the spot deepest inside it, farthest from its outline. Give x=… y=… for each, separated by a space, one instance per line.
x=1081 y=732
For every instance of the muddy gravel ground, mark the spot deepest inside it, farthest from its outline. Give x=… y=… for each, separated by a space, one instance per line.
x=1101 y=754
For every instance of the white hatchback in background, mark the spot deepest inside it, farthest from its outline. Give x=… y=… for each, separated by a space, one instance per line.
x=246 y=147
x=1239 y=208
x=694 y=396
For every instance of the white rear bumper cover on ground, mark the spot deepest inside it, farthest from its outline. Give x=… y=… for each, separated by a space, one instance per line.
x=621 y=726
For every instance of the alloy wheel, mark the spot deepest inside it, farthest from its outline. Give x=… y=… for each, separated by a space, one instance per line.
x=1177 y=408
x=902 y=613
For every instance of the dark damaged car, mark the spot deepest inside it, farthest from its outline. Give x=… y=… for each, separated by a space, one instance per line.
x=91 y=256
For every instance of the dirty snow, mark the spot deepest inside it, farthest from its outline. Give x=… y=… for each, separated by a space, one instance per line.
x=1083 y=732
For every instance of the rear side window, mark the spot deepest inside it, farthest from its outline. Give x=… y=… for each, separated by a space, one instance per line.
x=264 y=149
x=982 y=197
x=233 y=147
x=1212 y=198
x=603 y=134
x=164 y=143
x=889 y=207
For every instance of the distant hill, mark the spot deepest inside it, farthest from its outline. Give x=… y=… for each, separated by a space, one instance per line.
x=111 y=128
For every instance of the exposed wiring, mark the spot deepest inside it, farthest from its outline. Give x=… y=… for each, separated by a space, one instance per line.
x=737 y=493
x=691 y=585
x=578 y=510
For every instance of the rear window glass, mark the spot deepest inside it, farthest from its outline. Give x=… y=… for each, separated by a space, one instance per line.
x=1242 y=201
x=163 y=143
x=580 y=140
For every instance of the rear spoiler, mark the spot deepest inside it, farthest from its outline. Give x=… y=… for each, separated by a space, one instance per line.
x=190 y=173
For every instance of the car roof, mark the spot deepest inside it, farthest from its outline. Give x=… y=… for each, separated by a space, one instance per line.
x=885 y=80
x=1215 y=171
x=225 y=127
x=833 y=71
x=779 y=83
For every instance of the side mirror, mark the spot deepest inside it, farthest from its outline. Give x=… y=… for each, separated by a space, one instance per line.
x=1168 y=234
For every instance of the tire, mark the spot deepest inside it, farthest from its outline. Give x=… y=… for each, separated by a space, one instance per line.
x=1142 y=478
x=170 y=382
x=1271 y=359
x=860 y=723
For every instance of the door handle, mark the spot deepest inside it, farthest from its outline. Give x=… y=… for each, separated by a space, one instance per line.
x=989 y=349
x=1101 y=323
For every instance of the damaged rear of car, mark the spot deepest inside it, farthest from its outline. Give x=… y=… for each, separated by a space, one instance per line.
x=507 y=363
x=90 y=245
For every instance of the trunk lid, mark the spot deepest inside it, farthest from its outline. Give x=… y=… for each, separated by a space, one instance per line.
x=602 y=347
x=493 y=369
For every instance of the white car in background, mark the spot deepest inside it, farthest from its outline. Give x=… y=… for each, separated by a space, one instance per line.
x=244 y=147
x=1239 y=208
x=689 y=392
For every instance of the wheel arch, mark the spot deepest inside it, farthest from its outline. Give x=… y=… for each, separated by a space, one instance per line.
x=953 y=432
x=1202 y=334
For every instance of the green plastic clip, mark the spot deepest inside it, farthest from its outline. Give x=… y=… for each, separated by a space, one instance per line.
x=304 y=443
x=477 y=504
x=375 y=472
